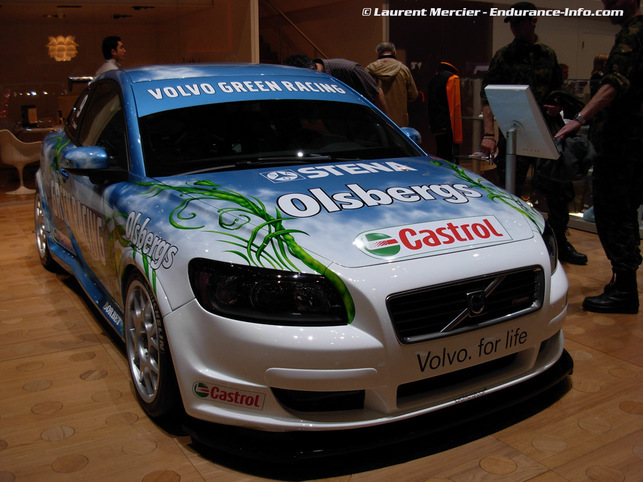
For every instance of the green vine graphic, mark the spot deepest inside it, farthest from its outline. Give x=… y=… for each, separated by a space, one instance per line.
x=60 y=144
x=494 y=193
x=270 y=244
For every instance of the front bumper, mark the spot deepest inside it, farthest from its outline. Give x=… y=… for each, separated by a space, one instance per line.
x=370 y=447
x=247 y=384
x=285 y=378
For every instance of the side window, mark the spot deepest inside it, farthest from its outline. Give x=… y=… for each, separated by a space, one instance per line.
x=104 y=123
x=76 y=114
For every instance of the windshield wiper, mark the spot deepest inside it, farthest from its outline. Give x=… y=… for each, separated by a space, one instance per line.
x=285 y=160
x=220 y=167
x=309 y=159
x=293 y=159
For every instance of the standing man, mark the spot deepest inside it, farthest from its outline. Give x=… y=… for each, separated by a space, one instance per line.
x=349 y=72
x=395 y=81
x=445 y=111
x=526 y=61
x=616 y=112
x=114 y=54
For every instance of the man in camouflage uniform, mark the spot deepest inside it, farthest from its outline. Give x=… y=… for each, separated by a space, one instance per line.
x=526 y=61
x=616 y=112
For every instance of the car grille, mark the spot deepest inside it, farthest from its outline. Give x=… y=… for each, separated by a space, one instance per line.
x=444 y=310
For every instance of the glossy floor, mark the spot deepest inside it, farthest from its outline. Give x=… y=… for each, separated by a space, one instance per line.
x=67 y=410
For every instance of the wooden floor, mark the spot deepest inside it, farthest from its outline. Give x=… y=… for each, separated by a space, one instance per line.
x=68 y=413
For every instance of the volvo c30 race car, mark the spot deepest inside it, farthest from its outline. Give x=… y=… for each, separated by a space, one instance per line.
x=278 y=255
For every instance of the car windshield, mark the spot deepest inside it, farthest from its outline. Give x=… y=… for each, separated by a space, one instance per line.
x=245 y=134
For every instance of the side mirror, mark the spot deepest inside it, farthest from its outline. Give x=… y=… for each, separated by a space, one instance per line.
x=412 y=134
x=89 y=158
x=91 y=161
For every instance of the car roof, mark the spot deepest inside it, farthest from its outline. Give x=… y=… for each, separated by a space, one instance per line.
x=158 y=88
x=147 y=73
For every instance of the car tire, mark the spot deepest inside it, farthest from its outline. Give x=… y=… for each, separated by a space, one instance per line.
x=147 y=350
x=41 y=236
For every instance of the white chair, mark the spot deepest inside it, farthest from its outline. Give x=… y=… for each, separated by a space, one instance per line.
x=18 y=154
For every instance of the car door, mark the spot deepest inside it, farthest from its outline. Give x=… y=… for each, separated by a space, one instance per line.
x=52 y=176
x=89 y=220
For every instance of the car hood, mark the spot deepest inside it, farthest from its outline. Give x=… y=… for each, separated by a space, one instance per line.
x=353 y=213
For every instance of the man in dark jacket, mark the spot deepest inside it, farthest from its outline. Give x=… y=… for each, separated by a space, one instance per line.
x=526 y=61
x=349 y=72
x=445 y=116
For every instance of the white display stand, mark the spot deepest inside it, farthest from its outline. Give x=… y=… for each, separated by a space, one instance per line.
x=520 y=118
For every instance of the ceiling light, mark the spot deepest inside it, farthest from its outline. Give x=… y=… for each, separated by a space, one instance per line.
x=61 y=48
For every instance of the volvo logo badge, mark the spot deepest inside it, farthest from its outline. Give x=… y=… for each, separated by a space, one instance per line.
x=476 y=302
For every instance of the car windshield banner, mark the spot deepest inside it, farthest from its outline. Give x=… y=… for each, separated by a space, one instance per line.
x=155 y=96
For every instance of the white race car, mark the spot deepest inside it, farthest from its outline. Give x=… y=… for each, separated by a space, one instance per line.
x=278 y=255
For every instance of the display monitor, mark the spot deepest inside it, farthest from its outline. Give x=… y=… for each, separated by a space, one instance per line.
x=514 y=106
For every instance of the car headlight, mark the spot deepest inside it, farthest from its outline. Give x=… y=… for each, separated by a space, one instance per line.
x=552 y=246
x=264 y=295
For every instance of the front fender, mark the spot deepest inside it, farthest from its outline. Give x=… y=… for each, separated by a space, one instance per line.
x=131 y=263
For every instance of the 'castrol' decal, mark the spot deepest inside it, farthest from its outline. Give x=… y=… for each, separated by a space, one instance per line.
x=230 y=396
x=429 y=237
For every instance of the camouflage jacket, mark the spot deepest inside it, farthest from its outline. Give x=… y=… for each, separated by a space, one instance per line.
x=624 y=115
x=522 y=63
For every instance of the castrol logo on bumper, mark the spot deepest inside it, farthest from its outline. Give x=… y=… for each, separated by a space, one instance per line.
x=430 y=237
x=227 y=395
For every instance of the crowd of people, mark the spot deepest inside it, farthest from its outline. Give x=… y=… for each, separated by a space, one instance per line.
x=615 y=112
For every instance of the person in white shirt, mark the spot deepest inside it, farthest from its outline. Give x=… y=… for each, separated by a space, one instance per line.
x=114 y=53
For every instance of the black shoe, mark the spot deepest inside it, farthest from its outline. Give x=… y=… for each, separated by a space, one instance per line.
x=568 y=254
x=613 y=300
x=620 y=295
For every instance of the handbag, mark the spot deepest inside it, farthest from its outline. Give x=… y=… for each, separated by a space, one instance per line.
x=577 y=156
